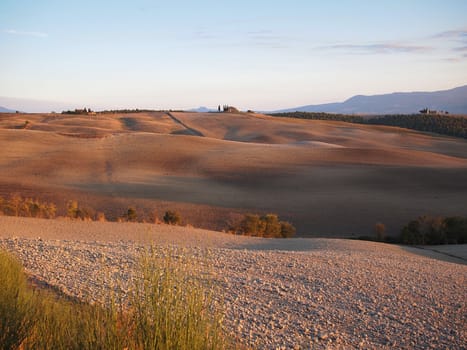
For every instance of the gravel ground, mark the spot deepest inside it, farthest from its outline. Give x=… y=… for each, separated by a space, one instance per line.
x=312 y=293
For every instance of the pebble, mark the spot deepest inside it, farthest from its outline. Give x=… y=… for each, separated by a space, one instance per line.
x=323 y=298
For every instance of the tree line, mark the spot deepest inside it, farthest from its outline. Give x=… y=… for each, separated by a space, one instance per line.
x=425 y=230
x=16 y=205
x=27 y=207
x=428 y=230
x=86 y=111
x=250 y=225
x=440 y=124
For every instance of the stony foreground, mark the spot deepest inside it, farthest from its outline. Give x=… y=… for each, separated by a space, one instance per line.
x=333 y=294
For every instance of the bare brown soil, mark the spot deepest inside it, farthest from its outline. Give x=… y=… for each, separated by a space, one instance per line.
x=328 y=178
x=306 y=293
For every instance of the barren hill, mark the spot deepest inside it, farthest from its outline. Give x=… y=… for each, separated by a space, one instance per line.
x=328 y=178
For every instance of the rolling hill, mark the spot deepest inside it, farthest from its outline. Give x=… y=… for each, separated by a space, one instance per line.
x=327 y=178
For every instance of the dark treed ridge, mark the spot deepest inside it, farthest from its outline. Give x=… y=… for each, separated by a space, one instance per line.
x=440 y=124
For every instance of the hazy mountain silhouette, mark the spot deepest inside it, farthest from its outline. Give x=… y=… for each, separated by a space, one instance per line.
x=35 y=106
x=202 y=109
x=6 y=110
x=453 y=101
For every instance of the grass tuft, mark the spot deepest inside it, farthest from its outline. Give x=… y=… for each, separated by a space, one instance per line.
x=174 y=305
x=17 y=306
x=171 y=307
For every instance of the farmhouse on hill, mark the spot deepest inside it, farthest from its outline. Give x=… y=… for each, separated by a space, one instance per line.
x=432 y=111
x=230 y=109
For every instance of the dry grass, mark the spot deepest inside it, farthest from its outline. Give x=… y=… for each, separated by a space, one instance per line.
x=172 y=307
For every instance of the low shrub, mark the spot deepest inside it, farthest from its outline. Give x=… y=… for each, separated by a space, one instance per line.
x=455 y=229
x=435 y=230
x=75 y=211
x=130 y=215
x=287 y=229
x=153 y=218
x=172 y=218
x=100 y=216
x=380 y=231
x=267 y=225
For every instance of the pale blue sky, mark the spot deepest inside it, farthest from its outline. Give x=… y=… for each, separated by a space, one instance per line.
x=255 y=54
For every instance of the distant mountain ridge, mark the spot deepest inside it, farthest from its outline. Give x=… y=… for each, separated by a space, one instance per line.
x=453 y=101
x=6 y=110
x=202 y=109
x=14 y=104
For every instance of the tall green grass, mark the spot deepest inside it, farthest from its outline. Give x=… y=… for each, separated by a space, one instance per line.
x=172 y=294
x=17 y=304
x=171 y=307
x=63 y=324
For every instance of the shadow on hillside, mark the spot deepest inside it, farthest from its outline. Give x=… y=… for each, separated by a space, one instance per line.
x=451 y=253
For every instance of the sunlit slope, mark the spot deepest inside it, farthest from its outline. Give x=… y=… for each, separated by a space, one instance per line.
x=325 y=177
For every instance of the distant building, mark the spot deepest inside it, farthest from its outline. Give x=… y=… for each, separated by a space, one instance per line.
x=85 y=111
x=230 y=109
x=432 y=111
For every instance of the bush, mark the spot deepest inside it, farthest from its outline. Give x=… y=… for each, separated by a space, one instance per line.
x=250 y=225
x=101 y=217
x=272 y=226
x=172 y=218
x=12 y=207
x=435 y=230
x=74 y=211
x=380 y=231
x=456 y=230
x=153 y=217
x=287 y=229
x=264 y=226
x=131 y=215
